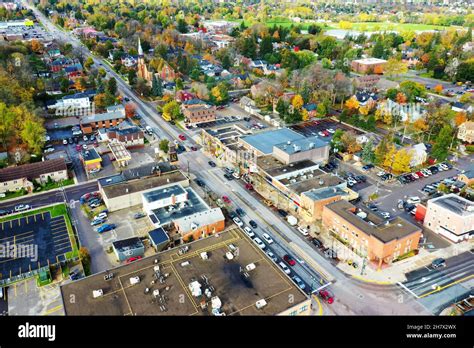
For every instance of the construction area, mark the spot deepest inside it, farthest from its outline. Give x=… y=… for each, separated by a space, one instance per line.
x=226 y=274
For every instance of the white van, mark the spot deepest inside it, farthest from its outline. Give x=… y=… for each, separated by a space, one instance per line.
x=149 y=130
x=413 y=200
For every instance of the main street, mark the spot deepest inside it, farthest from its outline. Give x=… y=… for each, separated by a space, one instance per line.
x=351 y=295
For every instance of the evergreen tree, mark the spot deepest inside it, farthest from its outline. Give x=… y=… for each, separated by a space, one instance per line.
x=156 y=87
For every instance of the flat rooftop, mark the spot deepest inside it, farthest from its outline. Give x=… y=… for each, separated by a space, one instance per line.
x=455 y=204
x=315 y=183
x=193 y=205
x=265 y=141
x=141 y=184
x=274 y=167
x=383 y=230
x=90 y=154
x=304 y=144
x=160 y=193
x=237 y=293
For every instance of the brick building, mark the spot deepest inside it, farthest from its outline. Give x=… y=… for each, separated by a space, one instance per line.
x=381 y=241
x=368 y=65
x=200 y=224
x=113 y=117
x=198 y=113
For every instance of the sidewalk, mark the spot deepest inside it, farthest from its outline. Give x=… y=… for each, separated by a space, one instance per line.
x=394 y=273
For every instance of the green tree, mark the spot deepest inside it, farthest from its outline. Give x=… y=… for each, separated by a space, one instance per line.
x=156 y=87
x=112 y=86
x=88 y=63
x=171 y=110
x=368 y=155
x=33 y=135
x=442 y=143
x=266 y=46
x=182 y=26
x=164 y=145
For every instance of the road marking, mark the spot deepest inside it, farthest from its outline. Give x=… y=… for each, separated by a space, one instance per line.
x=411 y=292
x=440 y=288
x=52 y=310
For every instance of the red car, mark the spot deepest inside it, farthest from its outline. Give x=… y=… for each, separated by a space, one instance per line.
x=326 y=133
x=420 y=174
x=182 y=137
x=249 y=187
x=135 y=258
x=326 y=296
x=226 y=199
x=78 y=147
x=289 y=260
x=194 y=148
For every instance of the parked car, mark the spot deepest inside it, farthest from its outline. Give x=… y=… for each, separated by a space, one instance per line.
x=282 y=213
x=200 y=183
x=101 y=216
x=317 y=243
x=238 y=222
x=182 y=137
x=438 y=263
x=326 y=296
x=413 y=200
x=267 y=238
x=253 y=224
x=367 y=167
x=249 y=187
x=385 y=215
x=139 y=215
x=289 y=260
x=48 y=150
x=134 y=258
x=272 y=256
x=105 y=228
x=228 y=176
x=64 y=141
x=96 y=222
x=259 y=243
x=22 y=207
x=299 y=282
x=240 y=212
x=248 y=231
x=226 y=199
x=284 y=268
x=193 y=148
x=303 y=230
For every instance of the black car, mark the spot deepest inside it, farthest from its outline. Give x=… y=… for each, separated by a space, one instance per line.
x=434 y=169
x=402 y=180
x=4 y=212
x=232 y=214
x=139 y=215
x=240 y=212
x=253 y=224
x=360 y=178
x=408 y=207
x=282 y=213
x=367 y=166
x=228 y=176
x=200 y=183
x=372 y=207
x=126 y=99
x=70 y=140
x=317 y=243
x=212 y=164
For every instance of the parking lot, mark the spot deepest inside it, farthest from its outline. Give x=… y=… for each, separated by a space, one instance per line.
x=312 y=128
x=43 y=240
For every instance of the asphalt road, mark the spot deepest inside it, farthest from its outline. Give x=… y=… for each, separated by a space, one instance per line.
x=351 y=295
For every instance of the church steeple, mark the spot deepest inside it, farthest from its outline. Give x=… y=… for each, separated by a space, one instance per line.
x=140 y=50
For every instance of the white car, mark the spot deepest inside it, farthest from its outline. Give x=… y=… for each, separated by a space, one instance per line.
x=415 y=175
x=101 y=216
x=427 y=171
x=248 y=231
x=284 y=267
x=22 y=207
x=381 y=173
x=85 y=138
x=414 y=200
x=331 y=130
x=238 y=222
x=95 y=170
x=385 y=215
x=64 y=141
x=84 y=146
x=235 y=175
x=303 y=230
x=267 y=238
x=259 y=243
x=321 y=134
x=48 y=150
x=443 y=166
x=351 y=181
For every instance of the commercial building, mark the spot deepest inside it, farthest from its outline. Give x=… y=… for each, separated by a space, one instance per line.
x=125 y=190
x=113 y=117
x=23 y=176
x=201 y=224
x=369 y=235
x=120 y=153
x=205 y=281
x=368 y=65
x=451 y=216
x=91 y=160
x=159 y=239
x=467 y=176
x=198 y=113
x=77 y=104
x=126 y=248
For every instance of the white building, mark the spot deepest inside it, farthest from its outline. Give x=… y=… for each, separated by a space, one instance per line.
x=164 y=197
x=72 y=105
x=418 y=155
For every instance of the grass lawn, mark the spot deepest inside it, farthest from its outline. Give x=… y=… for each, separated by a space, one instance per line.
x=55 y=185
x=9 y=195
x=55 y=210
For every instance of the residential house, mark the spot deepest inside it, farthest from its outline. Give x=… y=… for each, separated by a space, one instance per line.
x=23 y=176
x=466 y=132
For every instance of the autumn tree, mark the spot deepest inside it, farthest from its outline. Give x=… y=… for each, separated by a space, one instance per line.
x=389 y=156
x=401 y=161
x=438 y=88
x=297 y=102
x=130 y=109
x=352 y=103
x=171 y=110
x=349 y=141
x=460 y=118
x=395 y=67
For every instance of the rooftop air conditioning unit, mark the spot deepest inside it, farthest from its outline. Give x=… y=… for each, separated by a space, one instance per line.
x=134 y=280
x=97 y=293
x=260 y=303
